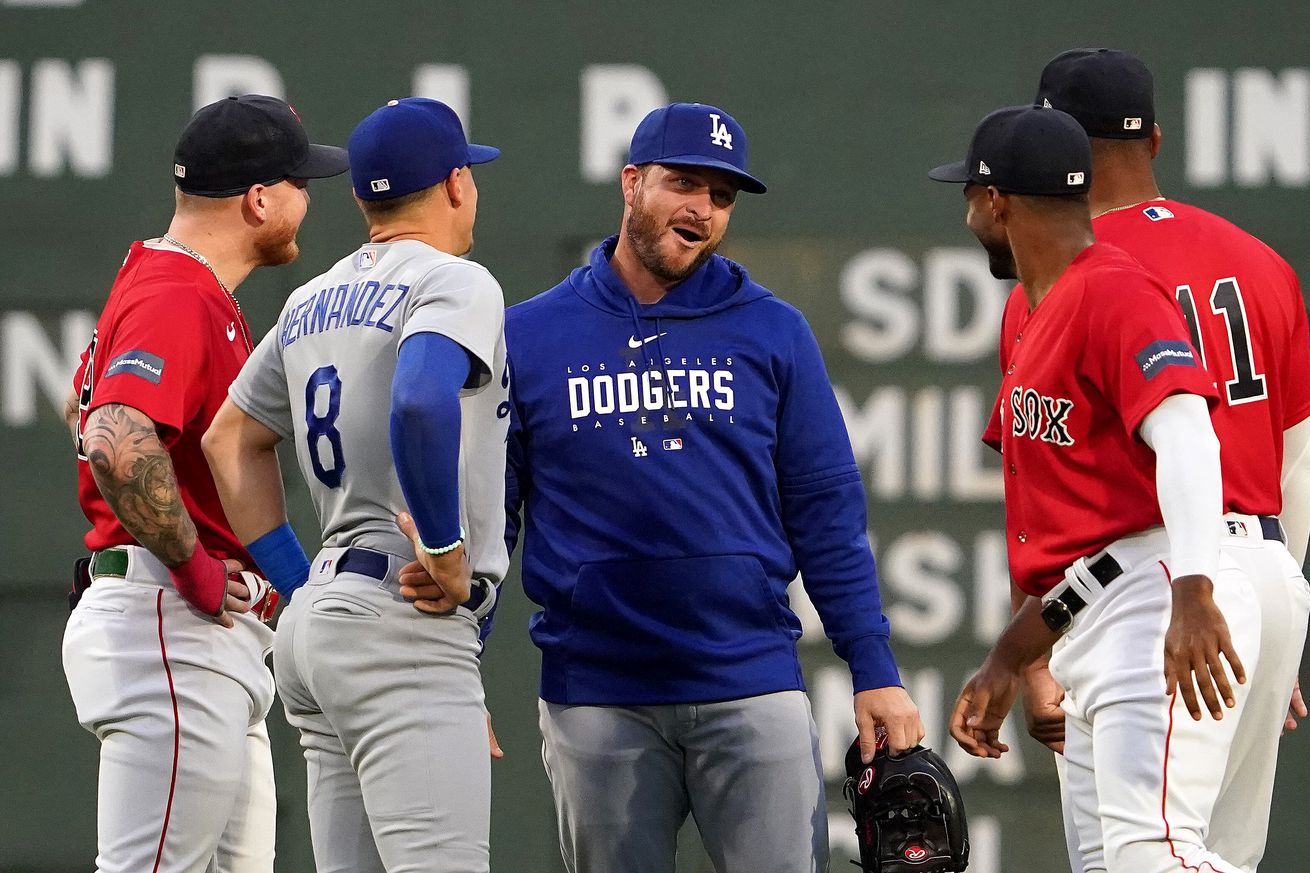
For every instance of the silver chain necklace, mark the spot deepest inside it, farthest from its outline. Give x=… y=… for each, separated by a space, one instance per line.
x=204 y=262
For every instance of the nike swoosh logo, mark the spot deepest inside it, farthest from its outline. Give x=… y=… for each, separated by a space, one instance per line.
x=232 y=332
x=634 y=343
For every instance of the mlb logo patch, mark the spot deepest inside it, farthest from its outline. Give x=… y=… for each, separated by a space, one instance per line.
x=1132 y=124
x=179 y=171
x=1077 y=178
x=1157 y=213
x=380 y=185
x=367 y=258
x=673 y=445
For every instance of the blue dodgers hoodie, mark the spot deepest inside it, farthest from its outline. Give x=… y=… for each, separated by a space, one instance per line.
x=676 y=464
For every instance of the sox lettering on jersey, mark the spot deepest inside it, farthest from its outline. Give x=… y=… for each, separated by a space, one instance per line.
x=1037 y=416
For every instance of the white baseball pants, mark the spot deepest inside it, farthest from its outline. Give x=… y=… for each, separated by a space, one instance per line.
x=178 y=704
x=1147 y=789
x=392 y=720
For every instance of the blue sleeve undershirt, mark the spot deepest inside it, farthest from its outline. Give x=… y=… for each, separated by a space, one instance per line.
x=431 y=369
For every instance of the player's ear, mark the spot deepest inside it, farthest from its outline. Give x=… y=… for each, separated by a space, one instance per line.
x=999 y=202
x=254 y=204
x=454 y=185
x=1156 y=136
x=629 y=180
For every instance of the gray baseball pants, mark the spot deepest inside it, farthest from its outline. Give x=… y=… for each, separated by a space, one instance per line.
x=625 y=778
x=390 y=710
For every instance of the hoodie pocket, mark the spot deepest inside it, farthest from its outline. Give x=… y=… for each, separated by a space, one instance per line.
x=703 y=614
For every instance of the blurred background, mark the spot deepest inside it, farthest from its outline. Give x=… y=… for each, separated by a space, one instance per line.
x=846 y=104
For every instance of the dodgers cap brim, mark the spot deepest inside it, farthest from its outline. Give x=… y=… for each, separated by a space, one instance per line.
x=323 y=162
x=745 y=181
x=954 y=172
x=482 y=154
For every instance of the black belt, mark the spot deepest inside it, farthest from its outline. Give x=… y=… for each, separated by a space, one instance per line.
x=1270 y=528
x=375 y=565
x=1058 y=611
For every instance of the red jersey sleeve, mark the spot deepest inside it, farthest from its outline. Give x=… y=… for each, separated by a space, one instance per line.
x=151 y=356
x=1138 y=349
x=1296 y=382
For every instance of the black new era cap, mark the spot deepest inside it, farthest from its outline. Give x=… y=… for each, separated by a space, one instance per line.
x=1025 y=150
x=251 y=140
x=1111 y=93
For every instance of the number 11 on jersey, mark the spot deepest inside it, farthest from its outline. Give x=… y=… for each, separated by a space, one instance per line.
x=1246 y=385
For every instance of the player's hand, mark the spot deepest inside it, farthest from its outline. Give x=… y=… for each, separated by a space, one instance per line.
x=496 y=750
x=1296 y=709
x=889 y=708
x=1041 y=707
x=450 y=579
x=1197 y=636
x=982 y=707
x=237 y=598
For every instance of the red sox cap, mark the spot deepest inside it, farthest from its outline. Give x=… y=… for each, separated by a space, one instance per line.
x=1110 y=92
x=238 y=142
x=1025 y=150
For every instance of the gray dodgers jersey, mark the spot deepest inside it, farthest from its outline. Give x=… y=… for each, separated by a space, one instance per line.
x=322 y=378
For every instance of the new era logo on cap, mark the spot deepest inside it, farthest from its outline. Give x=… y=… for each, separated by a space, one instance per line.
x=1046 y=103
x=379 y=185
x=1076 y=178
x=1132 y=124
x=983 y=169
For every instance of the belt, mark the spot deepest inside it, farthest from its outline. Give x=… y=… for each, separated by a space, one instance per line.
x=1064 y=602
x=376 y=565
x=1059 y=609
x=1270 y=528
x=115 y=562
x=110 y=562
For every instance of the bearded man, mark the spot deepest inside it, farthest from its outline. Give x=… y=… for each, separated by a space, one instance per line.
x=676 y=455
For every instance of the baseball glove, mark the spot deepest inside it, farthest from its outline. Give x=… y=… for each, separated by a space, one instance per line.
x=909 y=816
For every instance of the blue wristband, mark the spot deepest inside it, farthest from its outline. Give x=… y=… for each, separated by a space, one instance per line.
x=280 y=557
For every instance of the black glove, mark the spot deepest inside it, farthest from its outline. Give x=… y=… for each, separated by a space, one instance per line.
x=909 y=816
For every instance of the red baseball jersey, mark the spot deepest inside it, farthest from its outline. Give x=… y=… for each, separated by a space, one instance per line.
x=1245 y=313
x=1099 y=352
x=168 y=343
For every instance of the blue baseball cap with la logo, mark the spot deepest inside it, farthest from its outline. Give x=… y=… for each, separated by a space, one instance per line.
x=694 y=135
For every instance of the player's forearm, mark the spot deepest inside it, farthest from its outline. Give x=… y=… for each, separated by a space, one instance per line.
x=72 y=413
x=135 y=476
x=1296 y=488
x=1027 y=640
x=1187 y=482
x=242 y=456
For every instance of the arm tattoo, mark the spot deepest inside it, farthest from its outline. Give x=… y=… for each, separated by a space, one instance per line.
x=135 y=475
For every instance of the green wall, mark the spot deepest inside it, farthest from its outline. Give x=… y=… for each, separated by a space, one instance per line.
x=846 y=104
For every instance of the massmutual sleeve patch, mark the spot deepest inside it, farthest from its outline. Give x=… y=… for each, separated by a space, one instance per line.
x=137 y=362
x=1165 y=353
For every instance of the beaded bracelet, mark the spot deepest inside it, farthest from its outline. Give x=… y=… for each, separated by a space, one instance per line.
x=445 y=549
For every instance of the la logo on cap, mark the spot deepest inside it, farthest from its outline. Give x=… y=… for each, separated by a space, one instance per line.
x=1076 y=178
x=983 y=169
x=719 y=134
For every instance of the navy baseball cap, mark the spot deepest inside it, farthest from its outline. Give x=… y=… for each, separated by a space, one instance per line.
x=1025 y=150
x=1111 y=93
x=238 y=142
x=409 y=145
x=694 y=135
